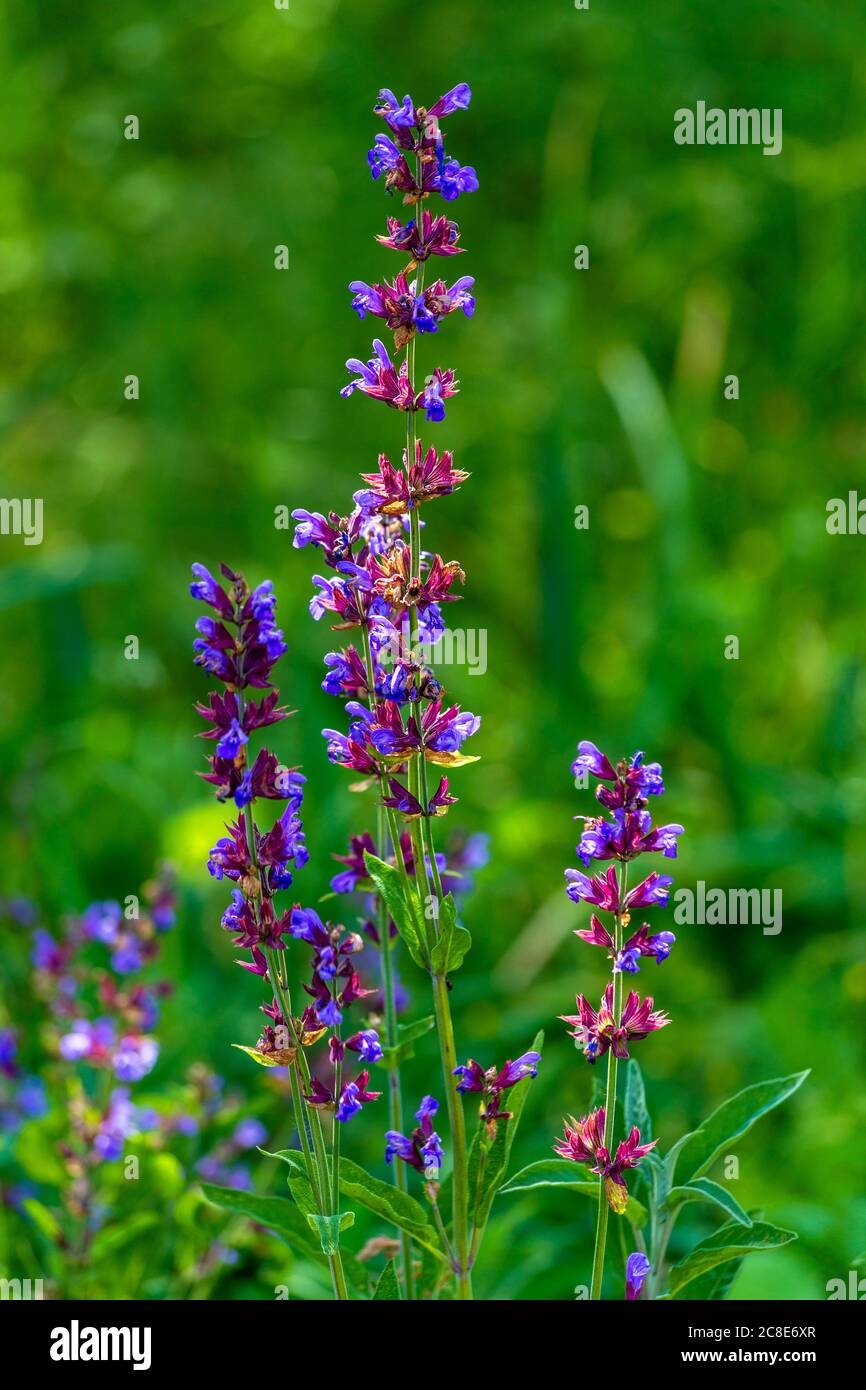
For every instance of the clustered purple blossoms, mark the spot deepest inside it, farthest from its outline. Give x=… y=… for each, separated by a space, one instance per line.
x=118 y=1038
x=221 y=1164
x=241 y=646
x=335 y=986
x=422 y=1150
x=417 y=132
x=102 y=1017
x=22 y=1095
x=393 y=594
x=387 y=590
x=622 y=835
x=491 y=1083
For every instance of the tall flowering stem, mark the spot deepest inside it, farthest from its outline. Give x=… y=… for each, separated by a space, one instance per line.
x=239 y=645
x=385 y=931
x=394 y=592
x=622 y=835
x=609 y=1105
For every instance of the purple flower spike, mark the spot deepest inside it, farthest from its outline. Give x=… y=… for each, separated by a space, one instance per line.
x=379 y=584
x=622 y=835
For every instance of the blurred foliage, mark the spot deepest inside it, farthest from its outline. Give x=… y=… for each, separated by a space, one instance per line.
x=599 y=387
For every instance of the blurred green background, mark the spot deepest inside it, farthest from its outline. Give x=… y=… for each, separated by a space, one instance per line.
x=601 y=387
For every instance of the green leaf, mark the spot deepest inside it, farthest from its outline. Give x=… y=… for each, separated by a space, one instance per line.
x=692 y=1155
x=303 y=1196
x=112 y=1238
x=728 y=1243
x=385 y=1200
x=282 y=1217
x=328 y=1229
x=657 y=1176
x=453 y=941
x=563 y=1173
x=259 y=1057
x=703 y=1190
x=460 y=946
x=389 y=885
x=35 y=1149
x=387 y=1285
x=43 y=1219
x=636 y=1110
x=488 y=1163
x=278 y=1214
x=550 y=1172
x=405 y=1048
x=714 y=1285
x=409 y=1032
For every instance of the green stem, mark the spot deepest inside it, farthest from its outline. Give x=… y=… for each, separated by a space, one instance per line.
x=427 y=827
x=448 y=1054
x=460 y=1175
x=395 y=1093
x=443 y=1234
x=408 y=890
x=299 y=1071
x=395 y=1097
x=415 y=536
x=420 y=842
x=422 y=886
x=281 y=993
x=318 y=1135
x=317 y=1170
x=335 y=1133
x=609 y=1101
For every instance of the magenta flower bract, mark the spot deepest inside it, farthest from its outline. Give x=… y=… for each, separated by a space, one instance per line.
x=583 y=1142
x=596 y=1032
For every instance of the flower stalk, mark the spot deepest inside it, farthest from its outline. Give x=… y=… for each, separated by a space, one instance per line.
x=395 y=1092
x=240 y=646
x=626 y=833
x=609 y=1107
x=394 y=592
